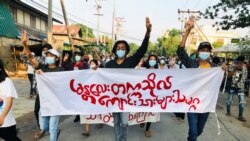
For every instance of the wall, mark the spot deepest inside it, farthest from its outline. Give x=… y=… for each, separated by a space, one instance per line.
x=6 y=52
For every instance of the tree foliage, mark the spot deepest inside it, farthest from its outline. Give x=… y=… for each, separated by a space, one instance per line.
x=84 y=29
x=168 y=44
x=133 y=47
x=231 y=13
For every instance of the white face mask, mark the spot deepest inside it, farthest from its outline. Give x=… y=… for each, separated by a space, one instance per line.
x=43 y=54
x=50 y=60
x=78 y=58
x=108 y=59
x=162 y=61
x=92 y=66
x=204 y=55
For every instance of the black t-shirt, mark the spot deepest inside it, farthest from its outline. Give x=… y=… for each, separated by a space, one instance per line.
x=131 y=62
x=45 y=68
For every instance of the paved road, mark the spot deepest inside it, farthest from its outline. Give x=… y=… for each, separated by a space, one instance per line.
x=165 y=130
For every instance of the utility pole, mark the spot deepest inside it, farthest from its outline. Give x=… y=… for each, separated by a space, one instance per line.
x=98 y=14
x=119 y=22
x=67 y=26
x=183 y=16
x=87 y=17
x=50 y=22
x=113 y=23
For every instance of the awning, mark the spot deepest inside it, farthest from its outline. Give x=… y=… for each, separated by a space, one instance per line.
x=32 y=34
x=7 y=24
x=233 y=48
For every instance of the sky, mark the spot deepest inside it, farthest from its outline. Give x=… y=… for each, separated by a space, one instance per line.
x=163 y=15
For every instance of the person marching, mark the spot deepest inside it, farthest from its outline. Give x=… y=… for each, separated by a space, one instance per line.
x=52 y=61
x=121 y=50
x=196 y=121
x=7 y=94
x=238 y=73
x=152 y=63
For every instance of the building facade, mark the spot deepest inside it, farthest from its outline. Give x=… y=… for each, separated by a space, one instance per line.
x=16 y=16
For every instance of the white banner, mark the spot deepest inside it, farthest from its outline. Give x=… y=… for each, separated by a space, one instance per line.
x=133 y=118
x=128 y=90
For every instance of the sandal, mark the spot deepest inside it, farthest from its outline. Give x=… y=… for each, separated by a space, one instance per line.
x=148 y=133
x=85 y=134
x=39 y=135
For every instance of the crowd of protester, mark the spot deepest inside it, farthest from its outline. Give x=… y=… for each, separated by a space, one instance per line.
x=52 y=61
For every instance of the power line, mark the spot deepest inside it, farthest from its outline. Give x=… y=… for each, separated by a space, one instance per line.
x=197 y=4
x=185 y=4
x=209 y=2
x=76 y=22
x=59 y=14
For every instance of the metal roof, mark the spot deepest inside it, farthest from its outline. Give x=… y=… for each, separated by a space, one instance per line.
x=30 y=4
x=7 y=24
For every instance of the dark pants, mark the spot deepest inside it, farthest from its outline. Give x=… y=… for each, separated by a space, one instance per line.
x=30 y=76
x=148 y=126
x=196 y=122
x=9 y=133
x=36 y=109
x=180 y=115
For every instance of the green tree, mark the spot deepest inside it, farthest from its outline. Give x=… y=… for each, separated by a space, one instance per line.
x=152 y=48
x=217 y=44
x=168 y=44
x=133 y=47
x=84 y=29
x=231 y=13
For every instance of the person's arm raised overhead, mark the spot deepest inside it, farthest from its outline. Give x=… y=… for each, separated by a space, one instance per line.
x=181 y=52
x=26 y=50
x=144 y=46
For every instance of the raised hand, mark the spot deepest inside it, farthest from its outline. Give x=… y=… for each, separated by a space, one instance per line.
x=190 y=23
x=148 y=25
x=24 y=38
x=66 y=57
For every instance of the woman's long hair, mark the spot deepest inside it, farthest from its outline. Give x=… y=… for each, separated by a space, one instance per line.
x=147 y=63
x=3 y=73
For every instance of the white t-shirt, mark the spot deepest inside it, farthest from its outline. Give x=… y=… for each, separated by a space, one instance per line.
x=30 y=69
x=7 y=89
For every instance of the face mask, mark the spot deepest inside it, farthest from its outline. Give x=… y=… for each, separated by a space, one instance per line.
x=152 y=63
x=78 y=58
x=43 y=54
x=162 y=61
x=108 y=59
x=92 y=67
x=204 y=55
x=120 y=53
x=50 y=60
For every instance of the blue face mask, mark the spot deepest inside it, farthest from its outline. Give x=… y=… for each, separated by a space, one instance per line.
x=120 y=53
x=78 y=58
x=204 y=55
x=50 y=60
x=152 y=63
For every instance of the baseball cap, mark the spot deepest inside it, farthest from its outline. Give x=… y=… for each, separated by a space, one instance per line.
x=54 y=52
x=205 y=45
